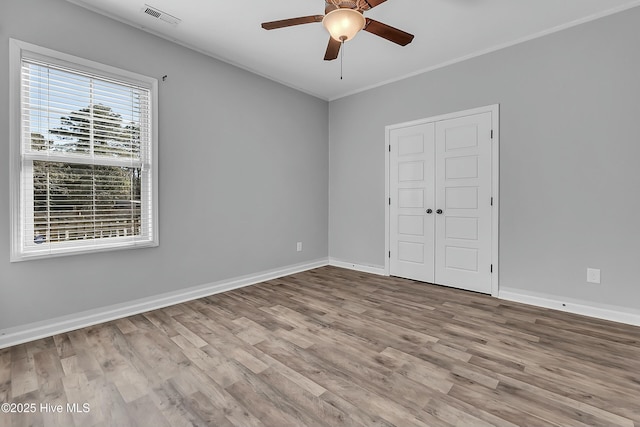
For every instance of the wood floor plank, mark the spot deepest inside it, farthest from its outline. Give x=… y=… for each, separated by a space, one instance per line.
x=63 y=345
x=321 y=411
x=489 y=402
x=48 y=367
x=452 y=415
x=266 y=404
x=113 y=409
x=5 y=375
x=53 y=393
x=85 y=355
x=34 y=418
x=130 y=383
x=251 y=332
x=125 y=325
x=80 y=390
x=333 y=347
x=294 y=376
x=219 y=403
x=357 y=415
x=210 y=414
x=23 y=376
x=174 y=407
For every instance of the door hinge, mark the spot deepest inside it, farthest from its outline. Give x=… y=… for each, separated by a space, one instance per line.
x=491 y=133
x=491 y=268
x=492 y=201
x=389 y=148
x=389 y=254
x=389 y=201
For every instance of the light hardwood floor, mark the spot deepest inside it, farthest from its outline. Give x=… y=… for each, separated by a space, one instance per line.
x=337 y=348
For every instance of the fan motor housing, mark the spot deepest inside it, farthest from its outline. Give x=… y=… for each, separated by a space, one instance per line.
x=347 y=4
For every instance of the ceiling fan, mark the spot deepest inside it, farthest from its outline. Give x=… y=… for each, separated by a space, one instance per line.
x=344 y=19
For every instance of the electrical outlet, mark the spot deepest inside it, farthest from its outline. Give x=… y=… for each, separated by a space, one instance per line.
x=593 y=275
x=299 y=246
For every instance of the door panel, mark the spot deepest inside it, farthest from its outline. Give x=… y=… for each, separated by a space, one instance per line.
x=410 y=197
x=458 y=258
x=460 y=198
x=461 y=228
x=412 y=189
x=461 y=167
x=463 y=183
x=412 y=225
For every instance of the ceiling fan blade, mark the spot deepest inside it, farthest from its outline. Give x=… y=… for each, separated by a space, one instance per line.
x=291 y=22
x=333 y=48
x=374 y=3
x=388 y=32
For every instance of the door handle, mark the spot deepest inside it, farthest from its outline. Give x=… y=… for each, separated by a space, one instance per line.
x=439 y=211
x=429 y=211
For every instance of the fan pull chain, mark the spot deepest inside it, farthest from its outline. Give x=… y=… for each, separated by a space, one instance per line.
x=341 y=57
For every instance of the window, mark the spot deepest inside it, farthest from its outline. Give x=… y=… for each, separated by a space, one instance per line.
x=84 y=155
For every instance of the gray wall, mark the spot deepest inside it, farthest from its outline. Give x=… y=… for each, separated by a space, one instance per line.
x=243 y=171
x=570 y=150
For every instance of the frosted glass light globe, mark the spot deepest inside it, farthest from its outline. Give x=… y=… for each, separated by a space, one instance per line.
x=343 y=24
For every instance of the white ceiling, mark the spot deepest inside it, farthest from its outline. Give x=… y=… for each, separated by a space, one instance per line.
x=445 y=31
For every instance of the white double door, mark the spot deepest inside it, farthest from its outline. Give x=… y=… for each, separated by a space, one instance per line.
x=440 y=216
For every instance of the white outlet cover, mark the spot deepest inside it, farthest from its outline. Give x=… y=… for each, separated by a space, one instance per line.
x=299 y=246
x=593 y=275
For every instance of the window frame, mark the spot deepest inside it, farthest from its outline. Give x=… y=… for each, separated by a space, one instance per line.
x=20 y=171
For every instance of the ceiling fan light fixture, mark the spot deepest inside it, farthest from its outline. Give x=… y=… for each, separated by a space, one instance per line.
x=343 y=24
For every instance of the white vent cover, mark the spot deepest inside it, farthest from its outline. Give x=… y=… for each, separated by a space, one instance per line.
x=158 y=14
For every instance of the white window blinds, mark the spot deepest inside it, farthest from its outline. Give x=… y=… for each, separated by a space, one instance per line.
x=86 y=161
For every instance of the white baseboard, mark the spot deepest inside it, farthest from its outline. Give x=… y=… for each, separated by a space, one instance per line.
x=599 y=311
x=373 y=269
x=43 y=329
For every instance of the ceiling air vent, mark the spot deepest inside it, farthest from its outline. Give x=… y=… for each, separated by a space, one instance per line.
x=158 y=14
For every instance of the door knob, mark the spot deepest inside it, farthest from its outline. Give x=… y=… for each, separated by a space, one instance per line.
x=429 y=211
x=439 y=211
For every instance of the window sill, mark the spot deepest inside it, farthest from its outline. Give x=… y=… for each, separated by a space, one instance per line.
x=61 y=252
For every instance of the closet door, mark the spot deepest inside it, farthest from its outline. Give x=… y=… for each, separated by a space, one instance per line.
x=412 y=210
x=463 y=202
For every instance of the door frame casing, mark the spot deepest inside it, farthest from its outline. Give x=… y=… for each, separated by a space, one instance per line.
x=495 y=182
